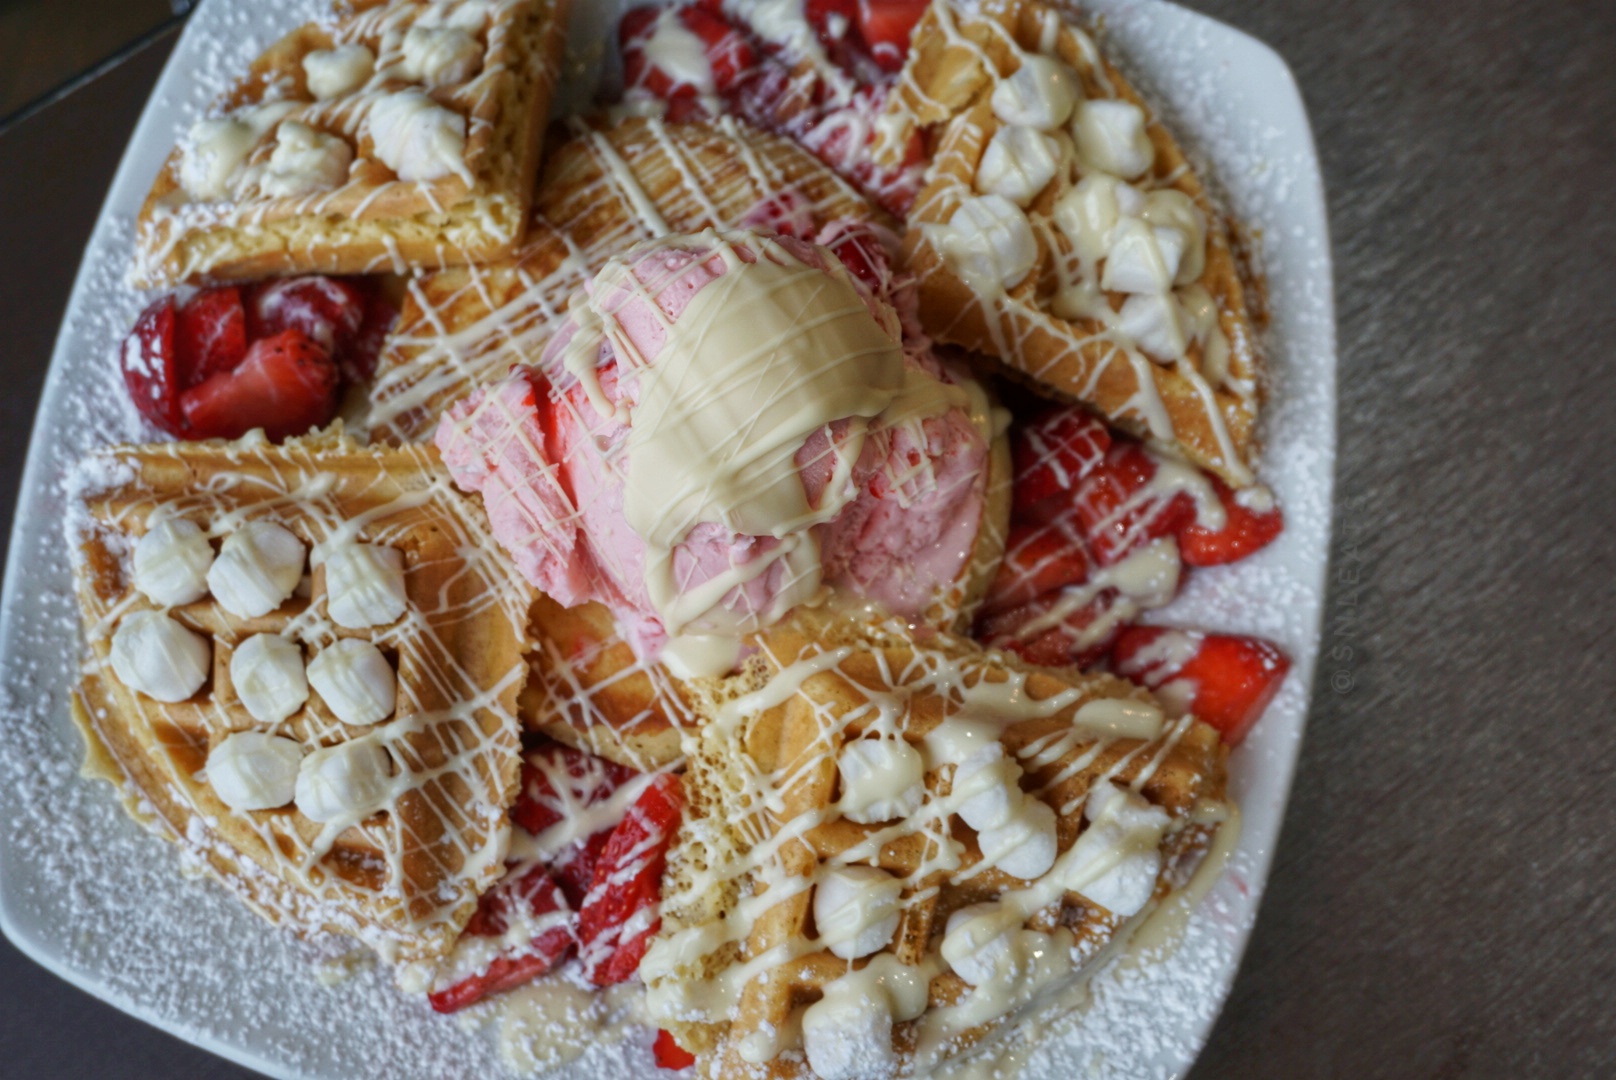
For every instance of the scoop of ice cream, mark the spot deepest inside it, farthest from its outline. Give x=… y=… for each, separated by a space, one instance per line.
x=726 y=425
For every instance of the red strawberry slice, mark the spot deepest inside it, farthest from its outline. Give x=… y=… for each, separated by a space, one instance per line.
x=1059 y=629
x=329 y=310
x=862 y=249
x=539 y=896
x=1052 y=456
x=1224 y=679
x=728 y=53
x=831 y=19
x=286 y=385
x=1038 y=559
x=359 y=362
x=1246 y=530
x=149 y=362
x=619 y=915
x=559 y=782
x=211 y=335
x=1119 y=509
x=887 y=26
x=787 y=212
x=669 y=1054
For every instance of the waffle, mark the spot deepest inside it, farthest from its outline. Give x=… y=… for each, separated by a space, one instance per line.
x=368 y=219
x=405 y=879
x=1202 y=403
x=600 y=193
x=734 y=969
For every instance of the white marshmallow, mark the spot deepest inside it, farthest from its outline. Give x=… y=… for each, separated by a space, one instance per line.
x=440 y=55
x=1024 y=848
x=418 y=138
x=355 y=680
x=258 y=568
x=1155 y=325
x=1111 y=137
x=977 y=942
x=364 y=585
x=267 y=672
x=989 y=243
x=156 y=656
x=1116 y=860
x=848 y=1036
x=1041 y=94
x=986 y=785
x=856 y=910
x=1173 y=209
x=468 y=15
x=333 y=72
x=253 y=771
x=1088 y=213
x=1143 y=257
x=882 y=779
x=171 y=562
x=347 y=782
x=305 y=161
x=1018 y=163
x=215 y=150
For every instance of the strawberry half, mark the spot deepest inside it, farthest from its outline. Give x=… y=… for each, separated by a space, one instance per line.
x=1052 y=456
x=620 y=913
x=539 y=897
x=887 y=26
x=1059 y=629
x=558 y=783
x=330 y=311
x=148 y=360
x=286 y=385
x=787 y=212
x=211 y=334
x=728 y=53
x=669 y=1054
x=1244 y=532
x=1038 y=559
x=1224 y=679
x=861 y=248
x=1119 y=510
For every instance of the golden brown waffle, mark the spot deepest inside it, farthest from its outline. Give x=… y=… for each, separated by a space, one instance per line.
x=600 y=193
x=1206 y=410
x=734 y=970
x=372 y=220
x=405 y=879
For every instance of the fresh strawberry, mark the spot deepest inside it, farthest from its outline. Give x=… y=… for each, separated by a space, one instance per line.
x=1245 y=531
x=861 y=248
x=1059 y=629
x=211 y=334
x=619 y=915
x=558 y=783
x=1052 y=456
x=1038 y=558
x=329 y=310
x=728 y=53
x=149 y=362
x=887 y=26
x=831 y=19
x=786 y=212
x=1224 y=679
x=669 y=1054
x=359 y=362
x=537 y=896
x=286 y=385
x=1119 y=509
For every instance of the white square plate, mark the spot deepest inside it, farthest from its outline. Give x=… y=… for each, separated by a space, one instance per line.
x=104 y=905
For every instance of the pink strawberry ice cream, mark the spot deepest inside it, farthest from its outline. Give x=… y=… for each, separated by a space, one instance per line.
x=711 y=459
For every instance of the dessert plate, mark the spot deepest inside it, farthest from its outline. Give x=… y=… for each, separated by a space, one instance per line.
x=88 y=894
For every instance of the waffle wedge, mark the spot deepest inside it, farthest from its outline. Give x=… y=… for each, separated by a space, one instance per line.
x=394 y=134
x=760 y=976
x=1158 y=339
x=404 y=874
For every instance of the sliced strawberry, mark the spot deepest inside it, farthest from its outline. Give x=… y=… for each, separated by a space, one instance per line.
x=887 y=26
x=1059 y=629
x=861 y=248
x=1052 y=456
x=358 y=363
x=286 y=385
x=831 y=19
x=1244 y=532
x=669 y=1054
x=211 y=335
x=535 y=895
x=1119 y=509
x=619 y=915
x=728 y=53
x=329 y=310
x=149 y=362
x=559 y=781
x=1038 y=558
x=1224 y=679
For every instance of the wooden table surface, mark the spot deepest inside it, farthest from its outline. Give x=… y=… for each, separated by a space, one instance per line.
x=1441 y=905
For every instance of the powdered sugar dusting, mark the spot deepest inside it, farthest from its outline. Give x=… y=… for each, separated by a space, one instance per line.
x=186 y=956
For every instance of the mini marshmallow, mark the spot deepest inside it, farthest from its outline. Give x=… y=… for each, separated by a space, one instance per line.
x=253 y=771
x=171 y=562
x=305 y=161
x=1025 y=847
x=989 y=243
x=468 y=15
x=1155 y=325
x=1088 y=214
x=1173 y=209
x=986 y=785
x=856 y=910
x=1111 y=137
x=331 y=73
x=977 y=942
x=1143 y=257
x=267 y=672
x=355 y=680
x=346 y=782
x=418 y=138
x=1018 y=163
x=1041 y=94
x=847 y=1036
x=1116 y=860
x=440 y=55
x=156 y=656
x=258 y=568
x=214 y=151
x=882 y=779
x=364 y=585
